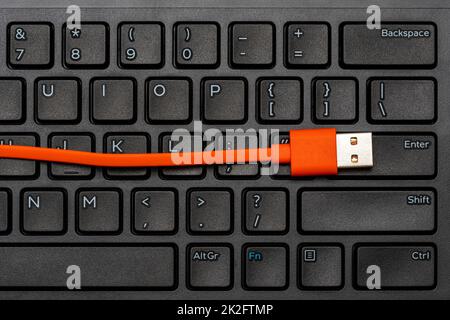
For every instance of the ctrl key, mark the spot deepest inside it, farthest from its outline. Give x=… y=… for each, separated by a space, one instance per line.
x=265 y=267
x=395 y=267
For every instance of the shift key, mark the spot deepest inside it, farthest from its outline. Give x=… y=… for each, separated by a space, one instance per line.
x=400 y=155
x=394 y=45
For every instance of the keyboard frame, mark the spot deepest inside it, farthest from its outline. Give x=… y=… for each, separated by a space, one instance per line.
x=224 y=13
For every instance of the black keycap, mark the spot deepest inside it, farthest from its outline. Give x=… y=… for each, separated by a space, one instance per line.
x=280 y=100
x=238 y=142
x=335 y=100
x=12 y=100
x=104 y=267
x=367 y=211
x=320 y=267
x=210 y=211
x=30 y=45
x=129 y=143
x=172 y=144
x=16 y=169
x=252 y=45
x=307 y=45
x=169 y=100
x=99 y=211
x=44 y=211
x=282 y=171
x=155 y=211
x=266 y=211
x=197 y=45
x=402 y=100
x=79 y=142
x=87 y=47
x=410 y=45
x=210 y=267
x=396 y=155
x=141 y=45
x=224 y=100
x=265 y=267
x=113 y=100
x=5 y=211
x=406 y=266
x=58 y=100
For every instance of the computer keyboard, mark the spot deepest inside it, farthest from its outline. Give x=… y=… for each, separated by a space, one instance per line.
x=135 y=71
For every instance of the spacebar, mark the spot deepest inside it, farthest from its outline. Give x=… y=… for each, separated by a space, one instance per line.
x=87 y=267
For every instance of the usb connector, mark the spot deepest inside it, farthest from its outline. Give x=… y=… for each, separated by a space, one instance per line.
x=354 y=150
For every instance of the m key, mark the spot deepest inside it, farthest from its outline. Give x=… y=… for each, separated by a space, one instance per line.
x=99 y=211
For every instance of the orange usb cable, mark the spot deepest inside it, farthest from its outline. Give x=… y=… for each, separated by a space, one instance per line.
x=311 y=152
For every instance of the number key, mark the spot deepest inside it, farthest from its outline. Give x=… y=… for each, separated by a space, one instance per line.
x=86 y=47
x=30 y=45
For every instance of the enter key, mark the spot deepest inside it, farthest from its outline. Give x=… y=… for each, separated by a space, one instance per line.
x=399 y=156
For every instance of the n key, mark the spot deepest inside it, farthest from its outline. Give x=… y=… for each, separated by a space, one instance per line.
x=44 y=211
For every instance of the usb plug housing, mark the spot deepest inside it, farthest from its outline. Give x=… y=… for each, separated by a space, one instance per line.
x=354 y=150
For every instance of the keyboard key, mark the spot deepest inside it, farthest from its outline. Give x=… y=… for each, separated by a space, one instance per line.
x=5 y=211
x=44 y=211
x=99 y=211
x=155 y=211
x=127 y=143
x=307 y=45
x=224 y=100
x=58 y=100
x=12 y=100
x=237 y=141
x=252 y=45
x=171 y=144
x=210 y=267
x=79 y=142
x=103 y=267
x=266 y=211
x=87 y=47
x=335 y=100
x=404 y=100
x=406 y=266
x=30 y=45
x=113 y=100
x=169 y=100
x=18 y=169
x=280 y=100
x=396 y=155
x=210 y=211
x=281 y=171
x=320 y=267
x=197 y=45
x=141 y=45
x=410 y=45
x=265 y=267
x=367 y=211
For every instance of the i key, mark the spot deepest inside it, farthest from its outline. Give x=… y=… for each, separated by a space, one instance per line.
x=141 y=45
x=30 y=45
x=197 y=45
x=113 y=100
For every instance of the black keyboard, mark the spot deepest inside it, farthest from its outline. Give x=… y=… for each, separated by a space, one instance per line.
x=132 y=73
